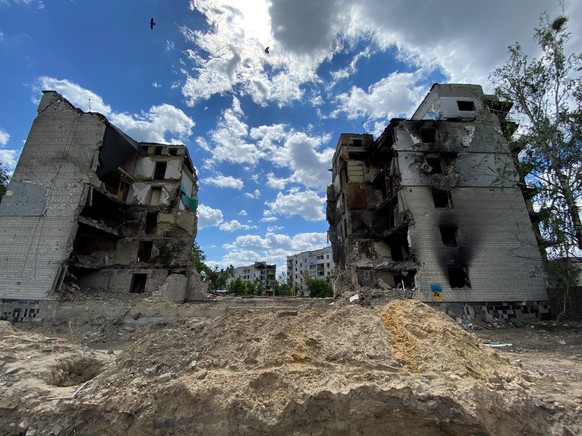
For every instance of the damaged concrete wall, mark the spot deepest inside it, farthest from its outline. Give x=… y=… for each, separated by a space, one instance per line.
x=38 y=216
x=494 y=242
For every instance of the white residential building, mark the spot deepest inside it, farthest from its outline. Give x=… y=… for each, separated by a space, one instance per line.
x=259 y=270
x=317 y=264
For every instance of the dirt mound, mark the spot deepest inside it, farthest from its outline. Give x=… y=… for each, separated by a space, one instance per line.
x=336 y=369
x=428 y=341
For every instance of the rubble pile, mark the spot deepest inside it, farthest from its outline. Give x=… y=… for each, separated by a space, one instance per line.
x=330 y=369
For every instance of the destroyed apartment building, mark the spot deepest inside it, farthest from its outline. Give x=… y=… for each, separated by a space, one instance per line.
x=259 y=272
x=433 y=206
x=89 y=209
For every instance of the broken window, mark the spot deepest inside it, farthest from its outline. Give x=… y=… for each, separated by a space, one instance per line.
x=449 y=236
x=356 y=142
x=465 y=105
x=399 y=249
x=442 y=198
x=428 y=135
x=144 y=251
x=151 y=223
x=158 y=150
x=436 y=164
x=459 y=276
x=138 y=282
x=160 y=170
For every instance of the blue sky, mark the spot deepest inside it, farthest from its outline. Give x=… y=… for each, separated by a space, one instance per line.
x=261 y=128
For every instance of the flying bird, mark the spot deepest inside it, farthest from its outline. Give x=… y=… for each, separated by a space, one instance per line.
x=152 y=24
x=267 y=50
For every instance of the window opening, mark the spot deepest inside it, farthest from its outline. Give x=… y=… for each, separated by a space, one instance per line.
x=122 y=191
x=458 y=276
x=466 y=105
x=144 y=251
x=156 y=193
x=442 y=198
x=436 y=164
x=428 y=135
x=138 y=282
x=160 y=171
x=151 y=223
x=356 y=142
x=449 y=236
x=158 y=150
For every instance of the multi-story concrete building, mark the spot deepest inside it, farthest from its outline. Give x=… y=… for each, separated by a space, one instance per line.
x=266 y=274
x=89 y=209
x=434 y=204
x=317 y=264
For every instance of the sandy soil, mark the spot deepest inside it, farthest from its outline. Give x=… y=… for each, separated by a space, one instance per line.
x=335 y=369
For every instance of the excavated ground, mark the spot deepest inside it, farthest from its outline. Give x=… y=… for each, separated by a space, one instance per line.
x=341 y=369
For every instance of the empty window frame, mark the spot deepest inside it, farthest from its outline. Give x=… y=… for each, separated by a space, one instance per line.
x=466 y=105
x=151 y=223
x=442 y=198
x=158 y=150
x=436 y=163
x=449 y=235
x=459 y=276
x=144 y=251
x=356 y=142
x=138 y=282
x=428 y=135
x=160 y=170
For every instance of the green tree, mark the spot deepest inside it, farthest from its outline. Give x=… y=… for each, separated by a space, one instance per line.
x=319 y=288
x=546 y=92
x=259 y=287
x=282 y=288
x=198 y=258
x=250 y=288
x=3 y=181
x=237 y=287
x=216 y=278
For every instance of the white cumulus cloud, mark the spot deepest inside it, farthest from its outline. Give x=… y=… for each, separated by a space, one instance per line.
x=306 y=204
x=223 y=181
x=234 y=225
x=161 y=123
x=208 y=217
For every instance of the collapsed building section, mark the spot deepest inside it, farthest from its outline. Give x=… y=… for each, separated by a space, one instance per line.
x=433 y=206
x=90 y=209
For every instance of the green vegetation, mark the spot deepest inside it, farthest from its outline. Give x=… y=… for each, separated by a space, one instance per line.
x=216 y=278
x=546 y=92
x=239 y=287
x=282 y=288
x=319 y=288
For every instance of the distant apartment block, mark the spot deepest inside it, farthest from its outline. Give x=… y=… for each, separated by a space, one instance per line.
x=317 y=264
x=265 y=273
x=90 y=210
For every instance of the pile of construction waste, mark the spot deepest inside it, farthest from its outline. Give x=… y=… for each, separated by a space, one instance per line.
x=329 y=369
